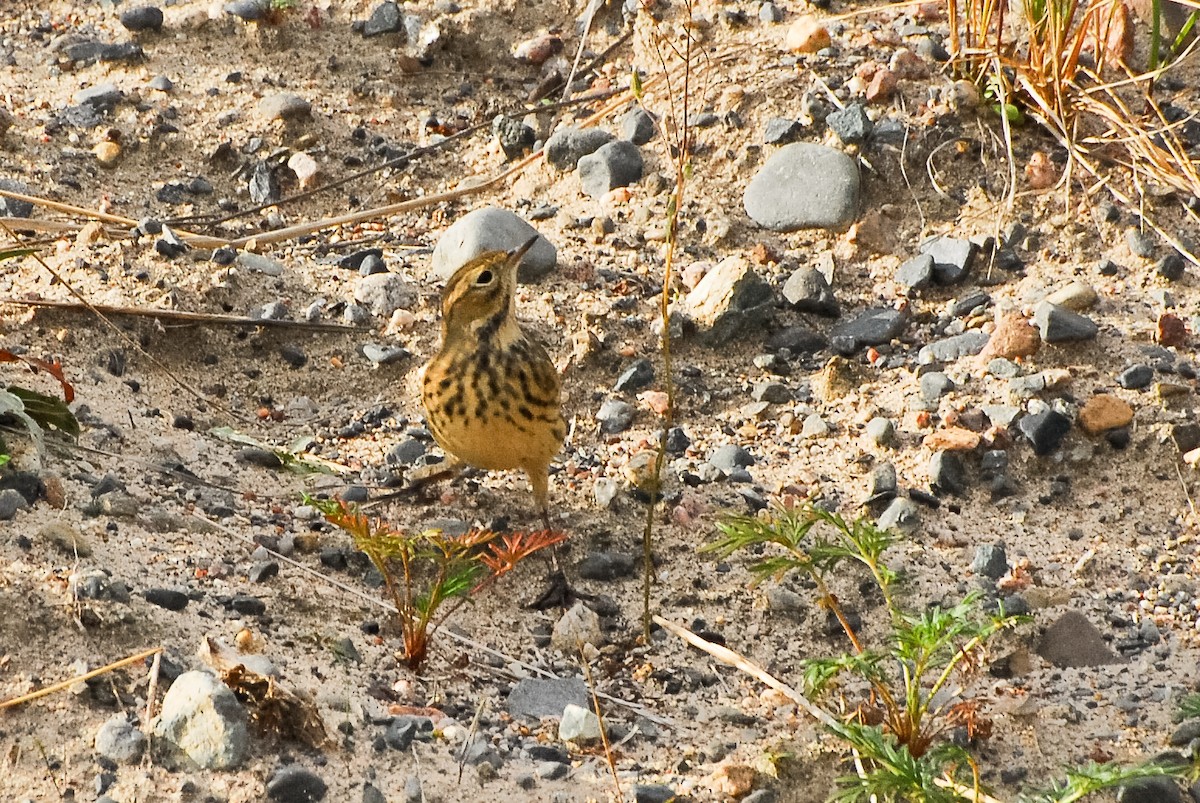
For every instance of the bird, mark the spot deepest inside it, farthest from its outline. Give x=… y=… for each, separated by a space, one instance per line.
x=492 y=395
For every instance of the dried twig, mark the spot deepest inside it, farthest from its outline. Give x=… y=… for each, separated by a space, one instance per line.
x=66 y=684
x=182 y=316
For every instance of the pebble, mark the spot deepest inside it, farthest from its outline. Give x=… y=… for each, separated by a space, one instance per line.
x=1136 y=377
x=814 y=427
x=615 y=416
x=873 y=327
x=547 y=697
x=295 y=783
x=731 y=300
x=607 y=566
x=798 y=340
x=284 y=106
x=201 y=725
x=604 y=491
x=616 y=164
x=915 y=274
x=1060 y=325
x=947 y=473
x=652 y=793
x=118 y=740
x=808 y=291
x=384 y=293
x=1103 y=412
x=804 y=186
x=677 y=441
x=492 y=229
x=991 y=561
x=1013 y=338
x=781 y=131
x=637 y=376
x=771 y=392
x=1150 y=790
x=1044 y=430
x=851 y=124
x=881 y=431
x=1171 y=267
x=384 y=355
x=578 y=626
x=901 y=515
x=515 y=137
x=538 y=49
x=10 y=502
x=13 y=207
x=1140 y=243
x=385 y=18
x=952 y=258
x=578 y=724
x=249 y=10
x=730 y=457
x=568 y=145
x=637 y=126
x=934 y=385
x=1078 y=295
x=167 y=598
x=142 y=18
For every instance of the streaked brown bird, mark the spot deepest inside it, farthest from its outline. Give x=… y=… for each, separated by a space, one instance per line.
x=491 y=393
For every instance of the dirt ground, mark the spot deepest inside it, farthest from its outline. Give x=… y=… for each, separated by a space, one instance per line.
x=1107 y=532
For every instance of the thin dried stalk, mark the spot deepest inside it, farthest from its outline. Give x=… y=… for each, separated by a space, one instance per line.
x=66 y=684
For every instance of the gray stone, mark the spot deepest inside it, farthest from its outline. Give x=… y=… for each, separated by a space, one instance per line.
x=547 y=697
x=296 y=784
x=102 y=97
x=935 y=385
x=808 y=291
x=804 y=186
x=384 y=293
x=371 y=794
x=884 y=483
x=412 y=790
x=952 y=258
x=952 y=348
x=798 y=340
x=551 y=770
x=118 y=740
x=730 y=300
x=142 y=18
x=637 y=126
x=916 y=273
x=771 y=392
x=606 y=566
x=851 y=124
x=1150 y=790
x=617 y=164
x=515 y=137
x=947 y=473
x=784 y=601
x=1044 y=430
x=1136 y=377
x=568 y=145
x=730 y=457
x=991 y=560
x=11 y=207
x=284 y=106
x=1058 y=324
x=1171 y=267
x=780 y=130
x=874 y=327
x=578 y=626
x=1073 y=641
x=881 y=431
x=491 y=229
x=10 y=502
x=202 y=725
x=249 y=10
x=1141 y=243
x=638 y=375
x=652 y=793
x=377 y=354
x=385 y=18
x=901 y=515
x=615 y=416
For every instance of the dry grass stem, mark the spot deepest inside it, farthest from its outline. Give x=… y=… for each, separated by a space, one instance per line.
x=66 y=684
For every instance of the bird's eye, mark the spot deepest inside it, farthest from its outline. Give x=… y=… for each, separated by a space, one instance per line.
x=484 y=278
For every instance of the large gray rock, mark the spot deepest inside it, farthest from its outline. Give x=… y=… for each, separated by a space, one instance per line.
x=202 y=725
x=568 y=145
x=617 y=164
x=492 y=229
x=731 y=299
x=804 y=186
x=384 y=293
x=547 y=697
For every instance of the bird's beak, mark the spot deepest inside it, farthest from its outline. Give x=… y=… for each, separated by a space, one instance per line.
x=516 y=254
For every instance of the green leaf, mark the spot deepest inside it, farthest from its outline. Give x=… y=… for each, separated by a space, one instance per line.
x=635 y=84
x=16 y=253
x=47 y=411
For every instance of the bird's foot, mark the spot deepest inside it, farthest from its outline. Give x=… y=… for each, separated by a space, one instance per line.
x=558 y=594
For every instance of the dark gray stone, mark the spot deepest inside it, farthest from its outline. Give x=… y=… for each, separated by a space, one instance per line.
x=637 y=376
x=873 y=327
x=1060 y=325
x=1073 y=641
x=249 y=10
x=606 y=566
x=952 y=348
x=1140 y=243
x=615 y=416
x=296 y=784
x=780 y=131
x=1171 y=267
x=652 y=793
x=1136 y=377
x=798 y=340
x=11 y=207
x=1044 y=430
x=851 y=124
x=677 y=441
x=947 y=473
x=1150 y=790
x=142 y=18
x=167 y=598
x=771 y=392
x=405 y=453
x=386 y=18
x=991 y=561
x=616 y=164
x=515 y=137
x=884 y=483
